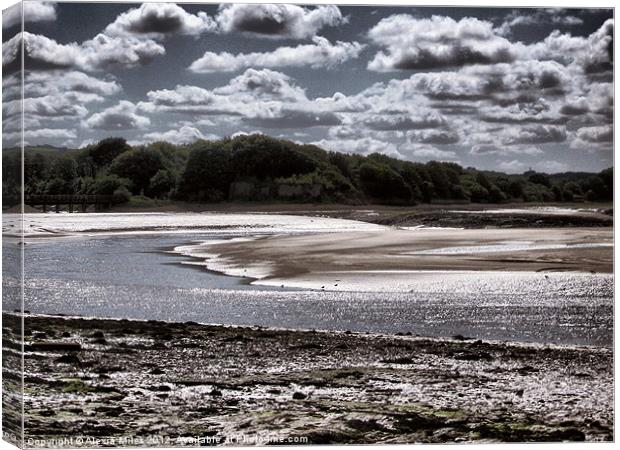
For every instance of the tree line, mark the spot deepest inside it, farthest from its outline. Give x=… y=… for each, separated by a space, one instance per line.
x=261 y=168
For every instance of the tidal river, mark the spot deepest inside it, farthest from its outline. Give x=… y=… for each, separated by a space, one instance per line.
x=115 y=266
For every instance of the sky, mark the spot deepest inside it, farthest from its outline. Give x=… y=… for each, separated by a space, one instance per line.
x=493 y=88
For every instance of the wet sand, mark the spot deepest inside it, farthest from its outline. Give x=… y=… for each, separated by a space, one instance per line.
x=328 y=257
x=110 y=380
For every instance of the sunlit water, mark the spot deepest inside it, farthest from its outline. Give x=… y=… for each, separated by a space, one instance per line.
x=132 y=276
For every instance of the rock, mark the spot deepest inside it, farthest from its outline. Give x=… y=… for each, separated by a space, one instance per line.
x=473 y=356
x=299 y=396
x=215 y=393
x=401 y=360
x=160 y=388
x=156 y=371
x=322 y=437
x=567 y=434
x=57 y=346
x=97 y=335
x=65 y=334
x=39 y=336
x=68 y=359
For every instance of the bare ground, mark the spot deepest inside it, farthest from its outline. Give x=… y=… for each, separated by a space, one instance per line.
x=112 y=379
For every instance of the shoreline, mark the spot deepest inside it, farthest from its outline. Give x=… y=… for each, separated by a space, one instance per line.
x=344 y=261
x=187 y=379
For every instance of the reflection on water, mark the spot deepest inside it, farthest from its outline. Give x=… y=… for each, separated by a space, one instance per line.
x=131 y=277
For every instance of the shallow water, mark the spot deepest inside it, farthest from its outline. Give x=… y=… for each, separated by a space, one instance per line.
x=131 y=276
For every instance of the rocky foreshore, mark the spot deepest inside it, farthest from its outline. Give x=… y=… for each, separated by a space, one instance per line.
x=117 y=382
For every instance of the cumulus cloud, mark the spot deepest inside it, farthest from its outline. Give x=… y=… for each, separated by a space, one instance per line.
x=42 y=53
x=79 y=84
x=436 y=136
x=537 y=17
x=596 y=134
x=498 y=148
x=282 y=116
x=157 y=20
x=183 y=135
x=362 y=146
x=429 y=152
x=40 y=134
x=264 y=84
x=277 y=21
x=537 y=134
x=33 y=11
x=405 y=122
x=425 y=44
x=591 y=54
x=321 y=53
x=123 y=116
x=262 y=98
x=547 y=166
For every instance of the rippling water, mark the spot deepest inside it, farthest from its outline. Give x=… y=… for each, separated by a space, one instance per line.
x=130 y=276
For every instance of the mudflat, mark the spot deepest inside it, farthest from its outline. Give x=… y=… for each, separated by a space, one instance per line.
x=118 y=379
x=530 y=250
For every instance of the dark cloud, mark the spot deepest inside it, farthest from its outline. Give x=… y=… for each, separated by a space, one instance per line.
x=439 y=42
x=439 y=137
x=539 y=134
x=277 y=21
x=596 y=134
x=387 y=123
x=156 y=20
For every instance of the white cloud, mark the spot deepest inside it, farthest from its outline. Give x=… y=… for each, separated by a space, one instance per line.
x=122 y=116
x=428 y=152
x=277 y=20
x=183 y=135
x=104 y=51
x=536 y=134
x=434 y=136
x=263 y=84
x=538 y=17
x=361 y=146
x=42 y=53
x=33 y=11
x=317 y=55
x=548 y=166
x=42 y=133
x=603 y=133
x=156 y=20
x=424 y=44
x=78 y=83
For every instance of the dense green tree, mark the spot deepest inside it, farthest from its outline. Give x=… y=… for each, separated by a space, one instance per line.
x=381 y=182
x=540 y=178
x=475 y=191
x=138 y=165
x=108 y=184
x=263 y=157
x=439 y=178
x=106 y=150
x=208 y=173
x=64 y=168
x=161 y=183
x=515 y=189
x=205 y=170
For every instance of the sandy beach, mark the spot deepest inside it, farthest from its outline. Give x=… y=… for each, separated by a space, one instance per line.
x=322 y=260
x=108 y=380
